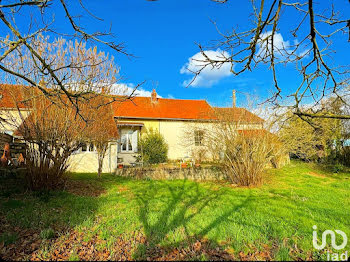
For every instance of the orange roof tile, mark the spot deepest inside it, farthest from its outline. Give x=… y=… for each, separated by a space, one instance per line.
x=238 y=114
x=144 y=108
x=163 y=108
x=10 y=94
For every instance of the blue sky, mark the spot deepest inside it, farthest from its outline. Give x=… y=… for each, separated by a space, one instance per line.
x=163 y=36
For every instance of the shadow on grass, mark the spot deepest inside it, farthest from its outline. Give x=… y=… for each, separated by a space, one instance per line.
x=185 y=202
x=34 y=217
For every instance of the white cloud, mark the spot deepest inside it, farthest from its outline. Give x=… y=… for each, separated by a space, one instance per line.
x=281 y=47
x=209 y=75
x=127 y=88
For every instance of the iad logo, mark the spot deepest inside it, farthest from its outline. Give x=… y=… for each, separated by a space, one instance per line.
x=324 y=239
x=333 y=256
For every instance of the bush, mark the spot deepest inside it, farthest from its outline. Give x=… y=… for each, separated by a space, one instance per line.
x=154 y=149
x=244 y=153
x=52 y=133
x=245 y=157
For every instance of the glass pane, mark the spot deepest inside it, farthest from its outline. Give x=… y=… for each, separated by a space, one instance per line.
x=91 y=147
x=129 y=142
x=83 y=147
x=123 y=141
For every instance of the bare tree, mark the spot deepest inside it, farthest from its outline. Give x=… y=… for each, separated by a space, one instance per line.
x=319 y=77
x=102 y=128
x=52 y=133
x=15 y=39
x=52 y=130
x=84 y=72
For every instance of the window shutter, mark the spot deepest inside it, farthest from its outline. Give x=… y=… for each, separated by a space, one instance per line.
x=134 y=140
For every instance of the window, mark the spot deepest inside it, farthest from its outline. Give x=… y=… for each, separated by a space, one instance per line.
x=84 y=147
x=198 y=137
x=88 y=147
x=126 y=142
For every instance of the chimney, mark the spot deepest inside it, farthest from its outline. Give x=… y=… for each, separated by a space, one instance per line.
x=154 y=96
x=233 y=98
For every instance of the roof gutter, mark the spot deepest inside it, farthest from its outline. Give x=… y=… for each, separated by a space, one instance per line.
x=182 y=119
x=152 y=118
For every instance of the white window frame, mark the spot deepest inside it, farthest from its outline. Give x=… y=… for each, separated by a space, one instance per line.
x=128 y=141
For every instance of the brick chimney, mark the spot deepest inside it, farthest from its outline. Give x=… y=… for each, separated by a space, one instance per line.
x=154 y=96
x=233 y=98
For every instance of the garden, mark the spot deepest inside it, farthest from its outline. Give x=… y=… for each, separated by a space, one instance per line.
x=119 y=218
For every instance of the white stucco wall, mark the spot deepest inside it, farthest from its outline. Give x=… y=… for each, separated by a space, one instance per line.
x=179 y=134
x=86 y=162
x=12 y=119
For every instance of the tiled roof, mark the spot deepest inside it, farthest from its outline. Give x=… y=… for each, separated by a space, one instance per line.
x=10 y=94
x=145 y=108
x=163 y=108
x=237 y=114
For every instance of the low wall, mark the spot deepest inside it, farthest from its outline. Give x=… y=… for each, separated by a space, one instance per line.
x=197 y=174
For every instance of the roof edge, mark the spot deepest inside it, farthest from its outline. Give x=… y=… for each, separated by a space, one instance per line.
x=164 y=118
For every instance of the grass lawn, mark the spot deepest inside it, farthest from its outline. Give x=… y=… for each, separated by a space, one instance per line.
x=120 y=218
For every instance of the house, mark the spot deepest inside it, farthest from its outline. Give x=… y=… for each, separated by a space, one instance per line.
x=181 y=122
x=173 y=119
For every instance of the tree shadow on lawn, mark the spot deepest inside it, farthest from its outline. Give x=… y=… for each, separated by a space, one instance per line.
x=185 y=202
x=169 y=212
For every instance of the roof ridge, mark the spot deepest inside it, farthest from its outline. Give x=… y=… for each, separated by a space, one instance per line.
x=166 y=98
x=230 y=107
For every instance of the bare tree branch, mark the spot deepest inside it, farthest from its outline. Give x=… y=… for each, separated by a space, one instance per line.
x=312 y=56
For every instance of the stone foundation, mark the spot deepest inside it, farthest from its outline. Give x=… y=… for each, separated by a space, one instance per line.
x=197 y=174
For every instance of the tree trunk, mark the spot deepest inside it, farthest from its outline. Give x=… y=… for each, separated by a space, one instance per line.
x=99 y=171
x=101 y=152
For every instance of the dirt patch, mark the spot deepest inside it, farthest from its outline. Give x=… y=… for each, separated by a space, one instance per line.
x=84 y=189
x=75 y=245
x=122 y=189
x=191 y=249
x=316 y=174
x=16 y=243
x=79 y=246
x=257 y=255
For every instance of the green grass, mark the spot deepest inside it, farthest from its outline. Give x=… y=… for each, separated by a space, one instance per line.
x=8 y=238
x=278 y=216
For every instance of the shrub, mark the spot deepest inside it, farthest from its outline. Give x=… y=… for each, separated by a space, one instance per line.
x=243 y=154
x=246 y=157
x=153 y=148
x=52 y=135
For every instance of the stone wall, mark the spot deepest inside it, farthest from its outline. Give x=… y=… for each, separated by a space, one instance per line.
x=197 y=174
